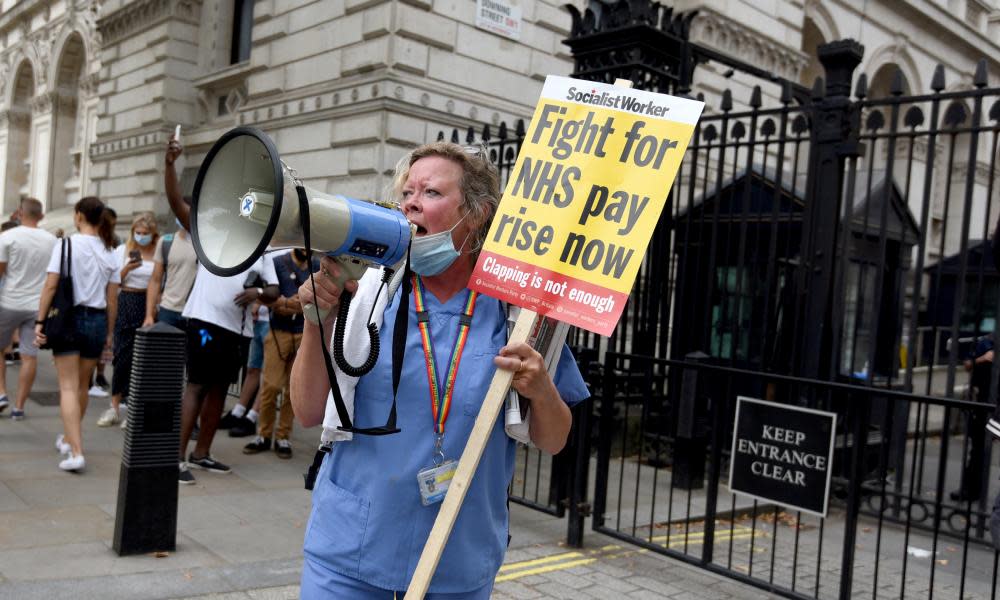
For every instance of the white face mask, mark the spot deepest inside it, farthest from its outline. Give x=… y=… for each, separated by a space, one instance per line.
x=432 y=254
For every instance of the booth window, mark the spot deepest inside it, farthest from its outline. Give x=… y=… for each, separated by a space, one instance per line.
x=242 y=29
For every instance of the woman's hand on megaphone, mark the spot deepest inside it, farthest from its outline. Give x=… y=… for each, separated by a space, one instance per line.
x=327 y=296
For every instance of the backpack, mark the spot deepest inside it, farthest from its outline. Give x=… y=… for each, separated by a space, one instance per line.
x=168 y=240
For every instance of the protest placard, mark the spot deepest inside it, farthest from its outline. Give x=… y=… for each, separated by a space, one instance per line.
x=582 y=201
x=542 y=211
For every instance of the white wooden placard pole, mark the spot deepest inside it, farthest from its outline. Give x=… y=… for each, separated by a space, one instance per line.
x=469 y=461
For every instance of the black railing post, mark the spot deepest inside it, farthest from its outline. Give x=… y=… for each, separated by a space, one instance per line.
x=605 y=429
x=579 y=509
x=856 y=477
x=835 y=128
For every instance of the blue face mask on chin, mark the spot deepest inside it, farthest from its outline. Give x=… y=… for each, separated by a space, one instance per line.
x=432 y=254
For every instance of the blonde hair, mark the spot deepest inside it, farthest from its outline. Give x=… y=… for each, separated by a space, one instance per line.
x=149 y=221
x=480 y=183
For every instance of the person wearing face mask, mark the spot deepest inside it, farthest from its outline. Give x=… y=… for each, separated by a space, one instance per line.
x=280 y=347
x=371 y=516
x=135 y=260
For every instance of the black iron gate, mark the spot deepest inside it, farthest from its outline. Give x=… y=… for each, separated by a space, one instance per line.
x=826 y=248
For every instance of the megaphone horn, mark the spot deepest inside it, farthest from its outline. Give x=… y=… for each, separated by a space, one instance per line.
x=245 y=200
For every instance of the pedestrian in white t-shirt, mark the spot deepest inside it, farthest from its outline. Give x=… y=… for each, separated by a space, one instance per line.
x=24 y=254
x=219 y=329
x=95 y=305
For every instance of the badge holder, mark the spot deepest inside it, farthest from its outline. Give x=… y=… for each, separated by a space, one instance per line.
x=435 y=481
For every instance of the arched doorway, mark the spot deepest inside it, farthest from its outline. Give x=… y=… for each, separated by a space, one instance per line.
x=880 y=84
x=68 y=142
x=812 y=38
x=17 y=166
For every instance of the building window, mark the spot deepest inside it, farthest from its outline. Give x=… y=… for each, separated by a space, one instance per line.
x=242 y=29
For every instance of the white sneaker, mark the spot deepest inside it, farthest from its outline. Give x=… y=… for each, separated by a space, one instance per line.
x=124 y=424
x=108 y=417
x=62 y=446
x=97 y=391
x=73 y=462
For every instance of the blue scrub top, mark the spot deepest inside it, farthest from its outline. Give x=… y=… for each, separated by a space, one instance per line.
x=367 y=520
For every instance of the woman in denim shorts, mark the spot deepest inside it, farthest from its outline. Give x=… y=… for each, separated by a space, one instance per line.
x=95 y=293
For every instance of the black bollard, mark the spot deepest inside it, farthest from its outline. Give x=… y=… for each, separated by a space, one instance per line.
x=146 y=517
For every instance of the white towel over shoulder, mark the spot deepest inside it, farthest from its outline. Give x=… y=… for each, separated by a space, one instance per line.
x=357 y=345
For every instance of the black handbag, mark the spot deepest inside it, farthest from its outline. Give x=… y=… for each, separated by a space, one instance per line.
x=59 y=327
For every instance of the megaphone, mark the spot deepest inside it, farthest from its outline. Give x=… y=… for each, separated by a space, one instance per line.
x=246 y=199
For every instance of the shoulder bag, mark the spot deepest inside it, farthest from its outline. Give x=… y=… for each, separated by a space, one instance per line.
x=59 y=328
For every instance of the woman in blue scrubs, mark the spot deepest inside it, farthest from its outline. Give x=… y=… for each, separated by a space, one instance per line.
x=370 y=519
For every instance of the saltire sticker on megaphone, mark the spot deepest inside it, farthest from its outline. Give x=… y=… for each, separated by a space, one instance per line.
x=583 y=199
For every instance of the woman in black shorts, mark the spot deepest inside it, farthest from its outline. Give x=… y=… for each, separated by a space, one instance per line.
x=135 y=261
x=95 y=295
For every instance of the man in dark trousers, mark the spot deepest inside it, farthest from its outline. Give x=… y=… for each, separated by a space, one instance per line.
x=993 y=426
x=980 y=368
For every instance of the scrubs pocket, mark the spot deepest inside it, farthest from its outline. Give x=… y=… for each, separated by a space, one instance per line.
x=337 y=528
x=473 y=388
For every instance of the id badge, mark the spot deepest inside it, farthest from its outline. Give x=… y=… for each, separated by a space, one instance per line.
x=434 y=482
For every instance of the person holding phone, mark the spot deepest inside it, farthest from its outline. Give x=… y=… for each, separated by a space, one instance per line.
x=135 y=258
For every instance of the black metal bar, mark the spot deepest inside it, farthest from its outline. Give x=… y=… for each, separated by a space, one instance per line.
x=860 y=435
x=938 y=500
x=970 y=184
x=727 y=105
x=581 y=472
x=604 y=441
x=718 y=411
x=795 y=552
x=834 y=137
x=827 y=386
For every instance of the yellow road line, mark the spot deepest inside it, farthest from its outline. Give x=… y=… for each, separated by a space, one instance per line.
x=562 y=560
x=548 y=569
x=539 y=561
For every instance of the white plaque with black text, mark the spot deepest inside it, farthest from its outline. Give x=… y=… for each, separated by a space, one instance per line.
x=782 y=454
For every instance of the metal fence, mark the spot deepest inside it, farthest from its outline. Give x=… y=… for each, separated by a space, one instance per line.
x=831 y=251
x=728 y=288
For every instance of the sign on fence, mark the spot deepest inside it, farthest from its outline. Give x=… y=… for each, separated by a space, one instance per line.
x=583 y=199
x=782 y=454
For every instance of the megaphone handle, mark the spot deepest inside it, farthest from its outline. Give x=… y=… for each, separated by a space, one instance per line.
x=349 y=269
x=314 y=314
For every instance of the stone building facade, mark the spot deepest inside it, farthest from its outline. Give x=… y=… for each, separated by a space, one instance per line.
x=90 y=90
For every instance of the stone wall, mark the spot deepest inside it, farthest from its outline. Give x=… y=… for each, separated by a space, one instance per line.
x=346 y=86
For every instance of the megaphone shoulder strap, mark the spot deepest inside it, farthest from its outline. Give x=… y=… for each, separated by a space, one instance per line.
x=398 y=342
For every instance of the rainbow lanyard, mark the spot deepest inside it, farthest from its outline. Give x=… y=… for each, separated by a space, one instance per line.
x=441 y=403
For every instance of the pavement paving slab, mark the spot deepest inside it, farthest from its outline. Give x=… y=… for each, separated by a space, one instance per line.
x=239 y=536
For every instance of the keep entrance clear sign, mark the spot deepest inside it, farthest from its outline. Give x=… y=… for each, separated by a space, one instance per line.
x=782 y=454
x=583 y=199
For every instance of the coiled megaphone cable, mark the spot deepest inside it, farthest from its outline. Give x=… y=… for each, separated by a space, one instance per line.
x=373 y=337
